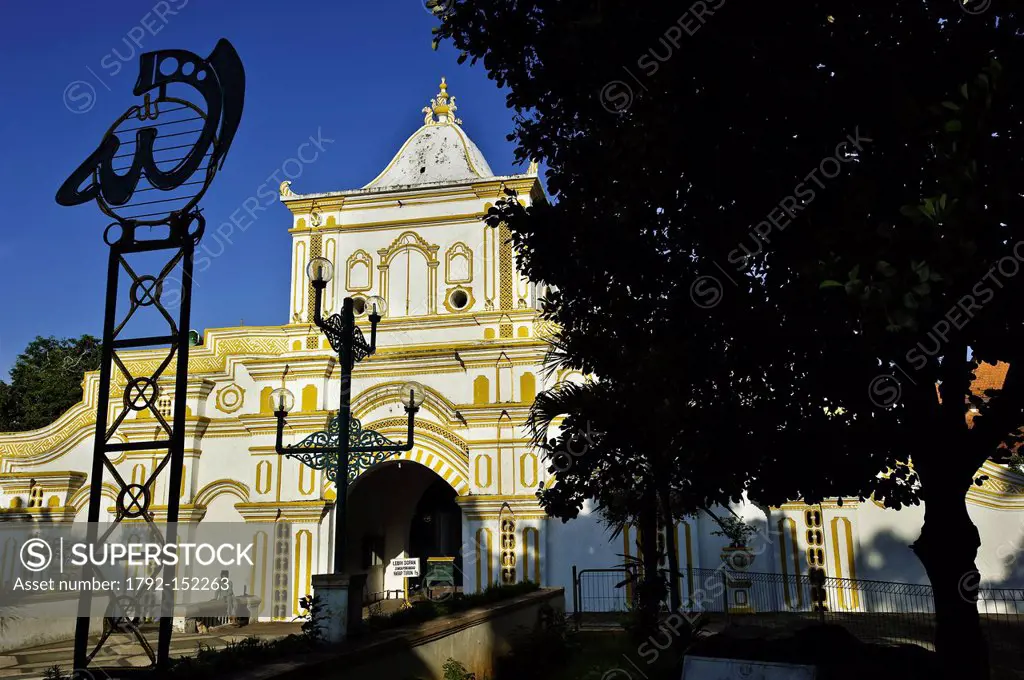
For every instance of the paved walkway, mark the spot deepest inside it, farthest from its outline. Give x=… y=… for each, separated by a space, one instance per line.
x=125 y=650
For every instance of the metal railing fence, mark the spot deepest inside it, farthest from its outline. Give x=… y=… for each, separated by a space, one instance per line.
x=874 y=611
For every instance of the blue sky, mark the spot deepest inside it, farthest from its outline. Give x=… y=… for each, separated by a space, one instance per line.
x=357 y=73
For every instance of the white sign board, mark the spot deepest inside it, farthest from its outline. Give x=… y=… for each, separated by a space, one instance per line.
x=409 y=567
x=706 y=668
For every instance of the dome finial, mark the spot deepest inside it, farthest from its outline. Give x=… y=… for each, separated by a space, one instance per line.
x=442 y=106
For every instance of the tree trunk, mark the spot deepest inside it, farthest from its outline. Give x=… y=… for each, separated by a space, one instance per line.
x=651 y=591
x=671 y=538
x=948 y=547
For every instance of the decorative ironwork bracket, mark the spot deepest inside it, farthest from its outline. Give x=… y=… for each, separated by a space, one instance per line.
x=334 y=328
x=366 y=447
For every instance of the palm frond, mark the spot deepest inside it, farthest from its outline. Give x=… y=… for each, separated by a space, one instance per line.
x=557 y=357
x=564 y=398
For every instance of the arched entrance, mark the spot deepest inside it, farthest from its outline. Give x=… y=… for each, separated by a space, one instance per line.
x=400 y=509
x=436 y=530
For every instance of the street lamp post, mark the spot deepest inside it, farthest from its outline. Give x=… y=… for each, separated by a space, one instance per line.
x=350 y=344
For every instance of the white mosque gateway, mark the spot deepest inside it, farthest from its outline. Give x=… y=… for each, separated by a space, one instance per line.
x=462 y=321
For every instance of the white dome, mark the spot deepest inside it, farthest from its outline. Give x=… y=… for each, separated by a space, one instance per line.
x=440 y=151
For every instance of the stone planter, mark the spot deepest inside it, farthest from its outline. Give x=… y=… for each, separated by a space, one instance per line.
x=246 y=608
x=738 y=557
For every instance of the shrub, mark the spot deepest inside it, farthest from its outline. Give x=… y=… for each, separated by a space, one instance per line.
x=454 y=670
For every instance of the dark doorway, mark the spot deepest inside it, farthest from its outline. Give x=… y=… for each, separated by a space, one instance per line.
x=436 y=529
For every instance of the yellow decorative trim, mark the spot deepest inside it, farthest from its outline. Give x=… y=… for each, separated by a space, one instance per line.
x=505 y=274
x=299 y=260
x=263 y=472
x=495 y=188
x=280 y=470
x=230 y=398
x=380 y=225
x=470 y=300
x=458 y=249
x=527 y=388
x=1004 y=488
x=442 y=436
x=75 y=426
x=360 y=199
x=440 y=460
x=360 y=257
x=528 y=461
x=486 y=482
x=837 y=555
x=331 y=254
x=828 y=504
x=303 y=472
x=481 y=390
x=385 y=393
x=310 y=399
x=80 y=498
x=220 y=487
x=298 y=205
x=405 y=240
x=311 y=511
x=315 y=251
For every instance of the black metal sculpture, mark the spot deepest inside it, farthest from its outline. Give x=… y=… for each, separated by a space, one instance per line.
x=219 y=78
x=220 y=81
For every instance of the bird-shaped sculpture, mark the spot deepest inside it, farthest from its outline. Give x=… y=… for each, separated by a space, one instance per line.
x=219 y=79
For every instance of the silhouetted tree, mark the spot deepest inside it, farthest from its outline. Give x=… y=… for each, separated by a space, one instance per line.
x=768 y=231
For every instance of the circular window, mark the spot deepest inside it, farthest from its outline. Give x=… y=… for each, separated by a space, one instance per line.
x=359 y=306
x=459 y=298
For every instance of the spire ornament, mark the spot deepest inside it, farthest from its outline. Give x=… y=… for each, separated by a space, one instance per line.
x=443 y=107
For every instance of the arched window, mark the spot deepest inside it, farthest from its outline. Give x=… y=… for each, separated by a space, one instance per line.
x=408 y=280
x=408 y=276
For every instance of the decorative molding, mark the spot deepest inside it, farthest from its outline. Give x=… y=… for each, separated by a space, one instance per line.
x=1002 y=490
x=458 y=250
x=285 y=511
x=482 y=471
x=844 y=562
x=219 y=487
x=359 y=257
x=405 y=240
x=470 y=300
x=230 y=398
